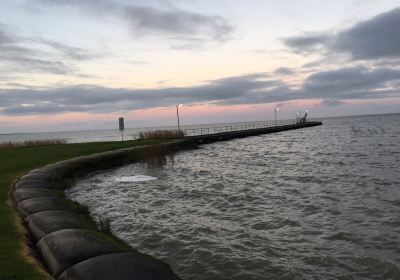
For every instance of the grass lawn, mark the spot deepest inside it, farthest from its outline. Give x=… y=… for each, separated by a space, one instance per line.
x=17 y=161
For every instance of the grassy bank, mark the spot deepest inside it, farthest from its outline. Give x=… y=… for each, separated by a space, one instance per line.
x=13 y=163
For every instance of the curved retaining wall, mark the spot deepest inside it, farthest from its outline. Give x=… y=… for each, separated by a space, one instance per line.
x=68 y=240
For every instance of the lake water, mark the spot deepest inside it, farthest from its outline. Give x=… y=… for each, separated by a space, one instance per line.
x=314 y=203
x=129 y=133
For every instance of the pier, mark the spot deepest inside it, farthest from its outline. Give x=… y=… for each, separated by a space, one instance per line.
x=208 y=135
x=224 y=132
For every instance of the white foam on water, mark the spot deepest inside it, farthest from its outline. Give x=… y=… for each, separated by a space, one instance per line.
x=136 y=178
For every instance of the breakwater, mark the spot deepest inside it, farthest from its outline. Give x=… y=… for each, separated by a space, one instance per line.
x=227 y=135
x=70 y=244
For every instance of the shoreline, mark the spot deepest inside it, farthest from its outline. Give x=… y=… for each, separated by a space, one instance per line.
x=16 y=258
x=56 y=224
x=59 y=226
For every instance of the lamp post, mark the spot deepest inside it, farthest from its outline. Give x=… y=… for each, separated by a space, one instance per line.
x=177 y=115
x=276 y=109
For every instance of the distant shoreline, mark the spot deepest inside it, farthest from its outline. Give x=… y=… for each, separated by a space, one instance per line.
x=183 y=126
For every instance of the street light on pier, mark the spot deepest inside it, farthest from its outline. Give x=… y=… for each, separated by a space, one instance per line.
x=177 y=115
x=276 y=109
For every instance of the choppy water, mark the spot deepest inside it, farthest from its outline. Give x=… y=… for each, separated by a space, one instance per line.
x=315 y=203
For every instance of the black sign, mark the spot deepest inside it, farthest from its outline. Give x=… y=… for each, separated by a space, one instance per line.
x=121 y=124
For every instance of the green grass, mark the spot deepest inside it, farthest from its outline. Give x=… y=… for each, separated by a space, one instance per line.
x=13 y=163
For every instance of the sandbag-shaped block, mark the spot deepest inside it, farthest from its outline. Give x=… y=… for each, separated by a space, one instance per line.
x=123 y=266
x=48 y=176
x=37 y=170
x=55 y=168
x=34 y=205
x=68 y=167
x=46 y=222
x=35 y=184
x=102 y=160
x=75 y=163
x=65 y=248
x=45 y=172
x=58 y=169
x=27 y=193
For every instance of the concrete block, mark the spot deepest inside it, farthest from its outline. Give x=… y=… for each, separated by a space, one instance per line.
x=44 y=176
x=65 y=248
x=27 y=193
x=46 y=222
x=43 y=184
x=123 y=266
x=34 y=205
x=48 y=171
x=60 y=168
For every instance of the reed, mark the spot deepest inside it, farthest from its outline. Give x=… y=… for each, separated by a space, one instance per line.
x=161 y=134
x=156 y=156
x=31 y=143
x=104 y=224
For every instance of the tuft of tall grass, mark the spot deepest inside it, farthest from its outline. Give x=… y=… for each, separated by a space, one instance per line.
x=156 y=156
x=104 y=224
x=161 y=134
x=31 y=143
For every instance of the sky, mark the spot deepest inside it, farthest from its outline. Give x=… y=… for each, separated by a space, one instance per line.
x=82 y=64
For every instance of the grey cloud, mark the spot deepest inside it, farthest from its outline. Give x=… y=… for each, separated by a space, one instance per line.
x=332 y=102
x=17 y=58
x=278 y=93
x=307 y=43
x=100 y=99
x=188 y=43
x=159 y=19
x=10 y=44
x=331 y=86
x=6 y=38
x=284 y=71
x=313 y=64
x=376 y=38
x=19 y=55
x=69 y=52
x=145 y=20
x=23 y=64
x=349 y=82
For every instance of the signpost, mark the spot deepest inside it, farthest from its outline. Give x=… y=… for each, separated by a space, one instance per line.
x=121 y=127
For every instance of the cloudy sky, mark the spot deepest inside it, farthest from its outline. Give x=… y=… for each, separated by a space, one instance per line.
x=80 y=64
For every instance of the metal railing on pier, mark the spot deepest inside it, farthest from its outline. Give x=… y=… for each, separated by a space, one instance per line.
x=231 y=128
x=204 y=131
